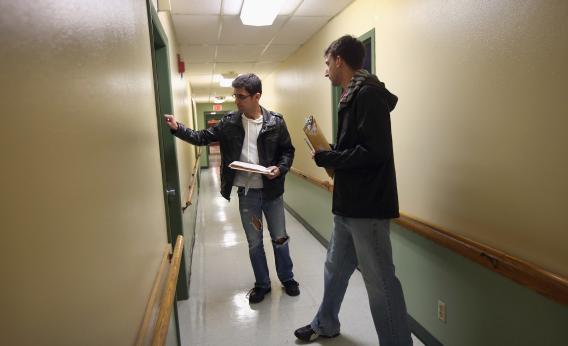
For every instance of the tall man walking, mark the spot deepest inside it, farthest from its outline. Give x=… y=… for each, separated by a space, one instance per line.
x=364 y=200
x=256 y=135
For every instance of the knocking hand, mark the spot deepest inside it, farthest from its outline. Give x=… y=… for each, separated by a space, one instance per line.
x=171 y=121
x=274 y=172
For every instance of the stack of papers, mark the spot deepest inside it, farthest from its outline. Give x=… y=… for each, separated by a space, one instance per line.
x=249 y=167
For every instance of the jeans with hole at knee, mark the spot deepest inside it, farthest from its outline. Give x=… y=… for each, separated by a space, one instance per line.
x=252 y=206
x=364 y=243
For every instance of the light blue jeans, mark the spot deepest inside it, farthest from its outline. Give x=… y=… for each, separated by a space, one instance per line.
x=252 y=206
x=364 y=243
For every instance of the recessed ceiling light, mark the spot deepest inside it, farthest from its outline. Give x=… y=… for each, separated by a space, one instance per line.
x=260 y=12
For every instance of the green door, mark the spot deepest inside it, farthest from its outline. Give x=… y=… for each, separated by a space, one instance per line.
x=168 y=155
x=215 y=117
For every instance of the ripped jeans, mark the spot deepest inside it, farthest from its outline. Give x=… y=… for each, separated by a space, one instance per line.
x=251 y=207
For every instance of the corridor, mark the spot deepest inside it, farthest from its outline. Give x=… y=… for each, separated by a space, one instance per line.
x=218 y=312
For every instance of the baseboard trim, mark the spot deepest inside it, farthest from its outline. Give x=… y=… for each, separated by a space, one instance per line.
x=422 y=333
x=415 y=328
x=309 y=227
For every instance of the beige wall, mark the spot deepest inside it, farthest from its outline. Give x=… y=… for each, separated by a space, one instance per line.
x=479 y=130
x=83 y=221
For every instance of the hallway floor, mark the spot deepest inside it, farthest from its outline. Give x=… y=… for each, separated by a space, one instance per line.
x=218 y=311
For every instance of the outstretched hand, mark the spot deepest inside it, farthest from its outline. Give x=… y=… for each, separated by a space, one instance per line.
x=171 y=121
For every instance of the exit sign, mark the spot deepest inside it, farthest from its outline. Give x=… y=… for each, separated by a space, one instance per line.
x=217 y=108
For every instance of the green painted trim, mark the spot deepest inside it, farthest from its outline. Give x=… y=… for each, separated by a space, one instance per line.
x=422 y=333
x=168 y=155
x=155 y=20
x=366 y=36
x=205 y=151
x=158 y=40
x=336 y=91
x=206 y=117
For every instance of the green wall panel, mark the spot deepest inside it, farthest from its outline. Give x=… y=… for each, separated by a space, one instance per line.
x=312 y=203
x=188 y=219
x=483 y=308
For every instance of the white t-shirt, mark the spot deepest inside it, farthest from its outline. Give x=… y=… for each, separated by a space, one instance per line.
x=249 y=154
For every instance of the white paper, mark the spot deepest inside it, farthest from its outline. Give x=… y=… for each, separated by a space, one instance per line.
x=249 y=167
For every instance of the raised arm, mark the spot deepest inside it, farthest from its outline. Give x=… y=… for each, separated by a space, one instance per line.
x=201 y=137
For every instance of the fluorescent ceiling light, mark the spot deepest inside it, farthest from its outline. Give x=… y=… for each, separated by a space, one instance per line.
x=260 y=12
x=226 y=82
x=226 y=79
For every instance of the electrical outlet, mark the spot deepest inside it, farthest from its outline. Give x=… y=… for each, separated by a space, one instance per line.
x=442 y=311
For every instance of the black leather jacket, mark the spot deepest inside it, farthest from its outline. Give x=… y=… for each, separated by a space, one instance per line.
x=365 y=179
x=274 y=148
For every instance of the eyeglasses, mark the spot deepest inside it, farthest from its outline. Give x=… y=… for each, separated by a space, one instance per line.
x=240 y=97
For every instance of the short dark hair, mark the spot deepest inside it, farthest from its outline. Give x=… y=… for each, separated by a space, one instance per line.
x=350 y=49
x=250 y=82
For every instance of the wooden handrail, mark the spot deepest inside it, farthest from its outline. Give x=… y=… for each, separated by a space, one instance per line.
x=144 y=329
x=551 y=285
x=324 y=184
x=189 y=200
x=167 y=301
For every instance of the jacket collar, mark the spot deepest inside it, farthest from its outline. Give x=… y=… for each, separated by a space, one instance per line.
x=357 y=80
x=268 y=119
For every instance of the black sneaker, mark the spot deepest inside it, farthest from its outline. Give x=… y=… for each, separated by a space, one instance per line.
x=307 y=334
x=292 y=288
x=256 y=294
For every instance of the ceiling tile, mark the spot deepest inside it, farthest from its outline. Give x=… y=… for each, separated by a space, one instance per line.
x=191 y=29
x=231 y=53
x=219 y=91
x=198 y=53
x=232 y=7
x=196 y=6
x=201 y=90
x=276 y=53
x=237 y=48
x=322 y=8
x=288 y=7
x=299 y=29
x=234 y=32
x=198 y=69
x=200 y=81
x=264 y=69
x=238 y=68
x=203 y=98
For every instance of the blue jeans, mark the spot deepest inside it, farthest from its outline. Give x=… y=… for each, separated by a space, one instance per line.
x=251 y=207
x=364 y=243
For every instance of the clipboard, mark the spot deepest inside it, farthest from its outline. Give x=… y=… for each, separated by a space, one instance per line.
x=316 y=139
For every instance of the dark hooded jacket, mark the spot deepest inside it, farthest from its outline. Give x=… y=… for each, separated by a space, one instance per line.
x=365 y=179
x=273 y=143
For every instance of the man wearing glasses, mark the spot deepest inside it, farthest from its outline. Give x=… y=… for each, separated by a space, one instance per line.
x=255 y=135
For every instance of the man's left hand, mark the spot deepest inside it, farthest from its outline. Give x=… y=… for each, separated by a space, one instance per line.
x=274 y=172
